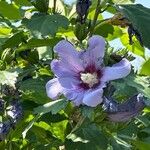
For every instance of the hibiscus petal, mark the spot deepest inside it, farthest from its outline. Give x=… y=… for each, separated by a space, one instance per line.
x=68 y=54
x=93 y=98
x=97 y=46
x=78 y=100
x=53 y=88
x=94 y=53
x=76 y=96
x=61 y=70
x=69 y=82
x=117 y=71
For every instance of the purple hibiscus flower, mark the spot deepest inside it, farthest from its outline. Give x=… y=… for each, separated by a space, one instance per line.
x=81 y=75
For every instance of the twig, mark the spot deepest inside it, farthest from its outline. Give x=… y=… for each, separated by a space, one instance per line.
x=54 y=7
x=97 y=11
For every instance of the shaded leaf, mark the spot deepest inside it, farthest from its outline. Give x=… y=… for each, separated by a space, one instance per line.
x=87 y=137
x=33 y=43
x=140 y=83
x=34 y=90
x=22 y=2
x=140 y=22
x=14 y=40
x=40 y=5
x=42 y=24
x=53 y=107
x=142 y=145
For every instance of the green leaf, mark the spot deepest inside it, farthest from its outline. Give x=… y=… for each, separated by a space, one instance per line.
x=138 y=15
x=14 y=40
x=140 y=83
x=42 y=24
x=42 y=136
x=4 y=31
x=30 y=126
x=147 y=130
x=104 y=30
x=21 y=125
x=22 y=2
x=116 y=33
x=7 y=9
x=129 y=131
x=116 y=145
x=121 y=92
x=123 y=1
x=2 y=145
x=57 y=129
x=136 y=48
x=87 y=112
x=87 y=137
x=53 y=118
x=33 y=43
x=40 y=5
x=34 y=90
x=142 y=145
x=145 y=68
x=53 y=107
x=8 y=78
x=2 y=41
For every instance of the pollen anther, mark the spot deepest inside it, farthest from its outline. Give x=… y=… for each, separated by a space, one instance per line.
x=89 y=78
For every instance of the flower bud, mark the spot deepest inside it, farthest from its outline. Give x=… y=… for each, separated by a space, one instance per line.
x=4 y=129
x=125 y=111
x=82 y=7
x=2 y=102
x=15 y=112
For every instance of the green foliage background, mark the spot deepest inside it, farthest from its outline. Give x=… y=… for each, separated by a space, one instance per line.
x=28 y=32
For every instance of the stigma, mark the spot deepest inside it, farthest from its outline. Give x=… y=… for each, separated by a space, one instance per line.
x=90 y=79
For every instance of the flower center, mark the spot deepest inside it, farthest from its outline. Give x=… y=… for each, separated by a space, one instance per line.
x=89 y=78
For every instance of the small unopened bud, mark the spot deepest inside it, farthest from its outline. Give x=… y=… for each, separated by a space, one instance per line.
x=15 y=112
x=4 y=129
x=2 y=102
x=82 y=7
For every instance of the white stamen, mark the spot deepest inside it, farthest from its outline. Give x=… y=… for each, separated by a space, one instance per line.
x=89 y=78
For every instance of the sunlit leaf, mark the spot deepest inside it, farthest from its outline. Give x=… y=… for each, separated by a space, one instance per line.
x=5 y=31
x=145 y=70
x=123 y=1
x=117 y=32
x=136 y=48
x=7 y=9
